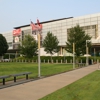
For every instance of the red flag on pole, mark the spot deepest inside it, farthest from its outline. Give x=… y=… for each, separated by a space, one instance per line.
x=34 y=27
x=40 y=25
x=16 y=32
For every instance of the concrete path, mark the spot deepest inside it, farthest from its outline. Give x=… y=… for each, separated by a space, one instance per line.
x=35 y=90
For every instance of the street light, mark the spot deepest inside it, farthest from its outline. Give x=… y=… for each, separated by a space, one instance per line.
x=39 y=74
x=73 y=55
x=87 y=52
x=37 y=29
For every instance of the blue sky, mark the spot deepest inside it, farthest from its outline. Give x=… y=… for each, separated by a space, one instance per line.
x=15 y=13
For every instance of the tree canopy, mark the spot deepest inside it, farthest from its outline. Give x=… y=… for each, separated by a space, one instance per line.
x=50 y=44
x=28 y=47
x=3 y=45
x=77 y=35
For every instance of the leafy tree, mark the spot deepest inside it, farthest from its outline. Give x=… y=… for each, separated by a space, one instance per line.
x=28 y=47
x=50 y=44
x=77 y=35
x=3 y=45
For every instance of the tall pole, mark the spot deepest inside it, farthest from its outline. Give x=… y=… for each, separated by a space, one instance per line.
x=37 y=29
x=73 y=55
x=86 y=54
x=39 y=74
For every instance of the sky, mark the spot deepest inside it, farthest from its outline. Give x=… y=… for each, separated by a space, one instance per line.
x=14 y=13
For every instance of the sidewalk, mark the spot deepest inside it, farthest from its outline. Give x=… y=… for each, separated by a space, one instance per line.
x=35 y=90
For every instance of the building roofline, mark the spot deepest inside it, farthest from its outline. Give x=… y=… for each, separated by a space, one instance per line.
x=43 y=22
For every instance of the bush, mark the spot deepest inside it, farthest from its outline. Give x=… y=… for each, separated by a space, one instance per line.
x=59 y=58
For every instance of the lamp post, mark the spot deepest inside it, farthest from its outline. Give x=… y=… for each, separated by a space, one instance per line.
x=87 y=52
x=39 y=74
x=37 y=29
x=73 y=55
x=64 y=55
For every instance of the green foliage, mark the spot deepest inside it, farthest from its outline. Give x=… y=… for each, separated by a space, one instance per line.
x=50 y=43
x=28 y=47
x=77 y=36
x=46 y=58
x=56 y=58
x=3 y=45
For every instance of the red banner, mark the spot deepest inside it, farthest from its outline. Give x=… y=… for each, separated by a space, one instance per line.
x=16 y=32
x=40 y=25
x=36 y=27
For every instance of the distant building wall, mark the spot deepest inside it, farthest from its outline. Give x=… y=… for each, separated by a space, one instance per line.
x=60 y=28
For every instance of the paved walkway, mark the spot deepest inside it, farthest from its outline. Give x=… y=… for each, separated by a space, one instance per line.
x=37 y=89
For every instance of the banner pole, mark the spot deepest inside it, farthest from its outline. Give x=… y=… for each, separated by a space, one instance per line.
x=73 y=55
x=39 y=74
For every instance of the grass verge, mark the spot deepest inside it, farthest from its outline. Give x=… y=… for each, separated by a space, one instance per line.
x=87 y=88
x=9 y=68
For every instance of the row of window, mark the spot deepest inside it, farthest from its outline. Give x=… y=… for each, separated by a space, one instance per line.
x=72 y=21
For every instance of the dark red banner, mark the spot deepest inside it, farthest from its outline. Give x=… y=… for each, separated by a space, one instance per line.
x=36 y=27
x=16 y=32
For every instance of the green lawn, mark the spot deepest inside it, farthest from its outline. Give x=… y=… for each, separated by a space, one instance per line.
x=87 y=88
x=8 y=68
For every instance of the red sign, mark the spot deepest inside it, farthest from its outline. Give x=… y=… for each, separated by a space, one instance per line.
x=16 y=32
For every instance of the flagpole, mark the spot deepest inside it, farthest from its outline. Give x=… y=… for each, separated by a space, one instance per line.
x=38 y=36
x=39 y=74
x=73 y=55
x=39 y=61
x=38 y=30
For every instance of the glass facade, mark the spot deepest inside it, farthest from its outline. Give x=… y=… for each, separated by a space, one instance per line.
x=90 y=30
x=58 y=28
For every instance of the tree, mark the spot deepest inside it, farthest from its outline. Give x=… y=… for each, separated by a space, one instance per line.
x=28 y=47
x=50 y=44
x=77 y=35
x=3 y=45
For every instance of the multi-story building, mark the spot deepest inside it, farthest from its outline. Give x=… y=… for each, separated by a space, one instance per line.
x=60 y=28
x=9 y=38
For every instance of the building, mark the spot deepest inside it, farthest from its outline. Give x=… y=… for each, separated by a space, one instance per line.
x=60 y=28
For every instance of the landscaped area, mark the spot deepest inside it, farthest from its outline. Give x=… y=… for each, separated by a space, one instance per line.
x=87 y=88
x=9 y=68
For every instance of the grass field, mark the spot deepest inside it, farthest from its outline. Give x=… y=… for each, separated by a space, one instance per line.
x=87 y=88
x=46 y=69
